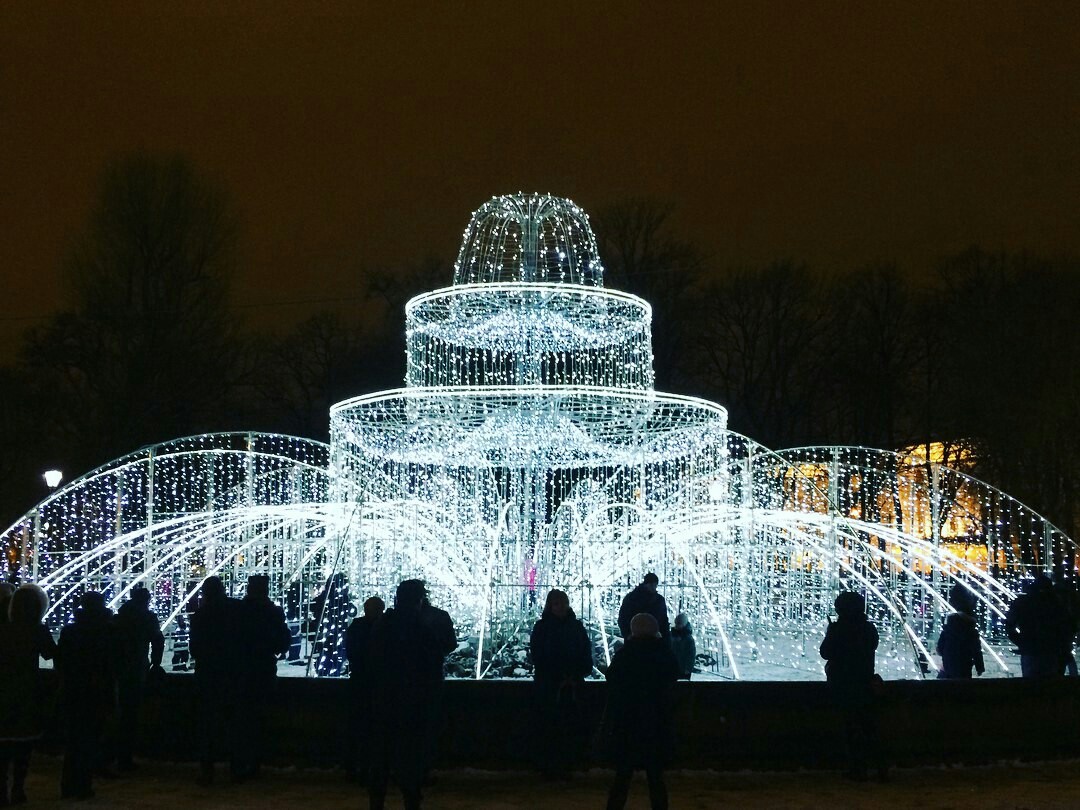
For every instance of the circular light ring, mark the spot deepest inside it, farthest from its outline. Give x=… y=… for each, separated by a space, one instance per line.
x=547 y=426
x=486 y=316
x=528 y=334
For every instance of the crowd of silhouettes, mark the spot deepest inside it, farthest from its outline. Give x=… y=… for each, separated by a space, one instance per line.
x=106 y=663
x=236 y=644
x=401 y=655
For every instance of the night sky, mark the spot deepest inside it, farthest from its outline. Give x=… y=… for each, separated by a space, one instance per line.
x=836 y=133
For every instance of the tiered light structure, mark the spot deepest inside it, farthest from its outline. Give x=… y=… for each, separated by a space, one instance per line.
x=529 y=450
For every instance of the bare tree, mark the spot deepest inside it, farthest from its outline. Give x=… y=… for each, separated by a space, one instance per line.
x=149 y=351
x=874 y=358
x=760 y=334
x=302 y=374
x=641 y=255
x=387 y=290
x=1010 y=352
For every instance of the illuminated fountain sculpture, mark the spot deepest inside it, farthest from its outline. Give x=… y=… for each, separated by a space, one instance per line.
x=529 y=450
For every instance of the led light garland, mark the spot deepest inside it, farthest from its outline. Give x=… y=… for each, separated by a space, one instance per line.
x=528 y=450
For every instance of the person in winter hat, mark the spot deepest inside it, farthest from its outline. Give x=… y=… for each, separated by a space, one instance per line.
x=682 y=644
x=23 y=641
x=959 y=645
x=848 y=649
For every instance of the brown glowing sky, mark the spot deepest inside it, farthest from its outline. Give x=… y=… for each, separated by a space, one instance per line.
x=837 y=132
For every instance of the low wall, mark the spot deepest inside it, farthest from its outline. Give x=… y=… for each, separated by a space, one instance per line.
x=720 y=725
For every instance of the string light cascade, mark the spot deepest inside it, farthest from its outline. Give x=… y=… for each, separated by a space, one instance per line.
x=528 y=449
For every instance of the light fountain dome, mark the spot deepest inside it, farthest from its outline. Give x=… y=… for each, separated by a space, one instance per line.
x=528 y=434
x=528 y=307
x=530 y=238
x=529 y=450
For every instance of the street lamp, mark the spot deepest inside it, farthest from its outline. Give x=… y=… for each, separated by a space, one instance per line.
x=53 y=478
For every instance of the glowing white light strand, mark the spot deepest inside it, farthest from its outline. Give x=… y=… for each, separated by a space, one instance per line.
x=528 y=450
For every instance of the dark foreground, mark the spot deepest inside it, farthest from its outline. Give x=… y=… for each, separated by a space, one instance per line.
x=158 y=785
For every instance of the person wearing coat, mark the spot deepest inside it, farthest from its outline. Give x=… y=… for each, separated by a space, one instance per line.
x=23 y=641
x=848 y=648
x=562 y=658
x=683 y=645
x=639 y=717
x=408 y=649
x=6 y=590
x=361 y=686
x=959 y=645
x=137 y=631
x=264 y=637
x=1039 y=626
x=644 y=599
x=86 y=662
x=215 y=643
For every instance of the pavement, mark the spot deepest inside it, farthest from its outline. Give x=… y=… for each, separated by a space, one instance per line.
x=1001 y=786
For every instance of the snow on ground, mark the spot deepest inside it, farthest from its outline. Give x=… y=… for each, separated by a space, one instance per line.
x=165 y=786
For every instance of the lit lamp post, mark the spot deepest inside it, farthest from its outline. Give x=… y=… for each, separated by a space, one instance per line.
x=52 y=481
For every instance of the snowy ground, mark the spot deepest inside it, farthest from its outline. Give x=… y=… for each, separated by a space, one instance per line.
x=1050 y=785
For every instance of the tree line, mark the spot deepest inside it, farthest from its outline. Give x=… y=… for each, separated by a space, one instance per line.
x=979 y=353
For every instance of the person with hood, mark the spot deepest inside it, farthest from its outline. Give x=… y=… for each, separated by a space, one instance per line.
x=1038 y=624
x=215 y=641
x=645 y=599
x=23 y=640
x=264 y=637
x=361 y=684
x=848 y=649
x=137 y=631
x=639 y=717
x=408 y=649
x=959 y=645
x=562 y=658
x=86 y=662
x=683 y=645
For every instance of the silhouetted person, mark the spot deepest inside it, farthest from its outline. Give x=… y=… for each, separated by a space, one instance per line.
x=137 y=632
x=639 y=711
x=408 y=648
x=848 y=649
x=23 y=640
x=562 y=659
x=959 y=645
x=361 y=687
x=1069 y=599
x=6 y=590
x=645 y=599
x=1039 y=626
x=215 y=641
x=684 y=646
x=86 y=661
x=264 y=636
x=441 y=627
